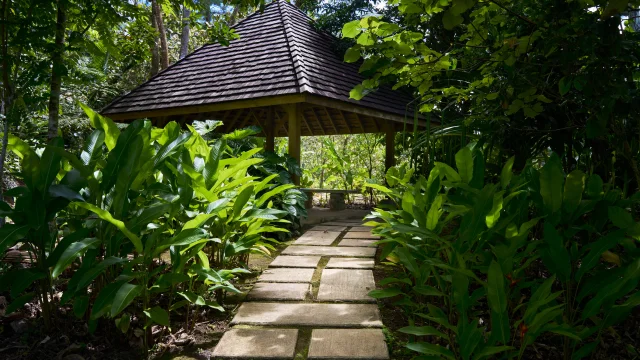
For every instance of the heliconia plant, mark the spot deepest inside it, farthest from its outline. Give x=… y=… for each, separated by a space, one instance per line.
x=144 y=220
x=490 y=266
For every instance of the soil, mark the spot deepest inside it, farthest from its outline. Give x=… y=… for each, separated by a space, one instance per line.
x=71 y=339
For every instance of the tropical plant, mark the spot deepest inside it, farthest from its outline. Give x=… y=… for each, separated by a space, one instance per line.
x=529 y=254
x=152 y=216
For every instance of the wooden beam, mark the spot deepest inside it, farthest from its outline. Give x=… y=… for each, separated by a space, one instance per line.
x=346 y=122
x=195 y=109
x=389 y=153
x=354 y=108
x=304 y=118
x=361 y=123
x=294 y=120
x=269 y=130
x=233 y=121
x=280 y=122
x=315 y=113
x=245 y=119
x=331 y=120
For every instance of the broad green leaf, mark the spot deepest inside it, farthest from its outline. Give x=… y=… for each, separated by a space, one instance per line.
x=594 y=186
x=620 y=217
x=433 y=216
x=427 y=290
x=507 y=173
x=215 y=206
x=103 y=302
x=573 y=189
x=555 y=256
x=464 y=163
x=496 y=293
x=211 y=166
x=351 y=29
x=185 y=237
x=71 y=253
x=104 y=215
x=352 y=55
x=585 y=350
x=123 y=323
x=469 y=339
x=170 y=148
x=385 y=293
x=123 y=297
x=95 y=271
x=10 y=234
x=564 y=85
x=449 y=172
x=551 y=180
x=158 y=315
x=242 y=200
x=494 y=214
x=596 y=249
x=271 y=193
x=80 y=306
x=49 y=164
x=100 y=122
x=18 y=302
x=422 y=331
x=431 y=349
x=92 y=147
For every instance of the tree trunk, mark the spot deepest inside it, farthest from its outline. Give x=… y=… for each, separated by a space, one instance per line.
x=164 y=49
x=6 y=97
x=208 y=15
x=57 y=70
x=155 y=49
x=234 y=15
x=184 y=40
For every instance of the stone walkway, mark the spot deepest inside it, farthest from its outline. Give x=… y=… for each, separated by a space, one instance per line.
x=312 y=302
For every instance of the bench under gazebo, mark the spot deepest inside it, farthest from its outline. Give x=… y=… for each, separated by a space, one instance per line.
x=281 y=74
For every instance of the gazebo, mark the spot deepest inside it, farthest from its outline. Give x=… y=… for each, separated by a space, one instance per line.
x=281 y=74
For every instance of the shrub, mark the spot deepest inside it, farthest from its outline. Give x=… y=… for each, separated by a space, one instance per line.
x=489 y=267
x=130 y=201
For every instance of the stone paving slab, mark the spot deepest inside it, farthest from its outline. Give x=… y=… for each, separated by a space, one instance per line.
x=346 y=285
x=357 y=242
x=324 y=227
x=360 y=235
x=319 y=238
x=335 y=344
x=330 y=251
x=287 y=275
x=296 y=261
x=279 y=291
x=257 y=344
x=306 y=314
x=360 y=228
x=350 y=263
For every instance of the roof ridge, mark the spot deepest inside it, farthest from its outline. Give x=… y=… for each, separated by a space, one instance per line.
x=299 y=69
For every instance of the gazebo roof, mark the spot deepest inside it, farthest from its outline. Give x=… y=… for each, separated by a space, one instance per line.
x=279 y=58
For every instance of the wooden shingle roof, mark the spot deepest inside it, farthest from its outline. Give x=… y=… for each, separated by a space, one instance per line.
x=279 y=52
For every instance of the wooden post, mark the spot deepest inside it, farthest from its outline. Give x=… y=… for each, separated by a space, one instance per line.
x=389 y=158
x=293 y=117
x=269 y=130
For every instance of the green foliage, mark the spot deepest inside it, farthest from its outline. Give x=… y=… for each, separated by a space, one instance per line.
x=141 y=212
x=469 y=253
x=524 y=76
